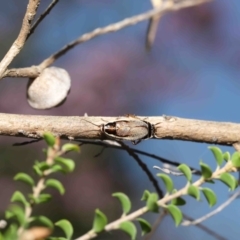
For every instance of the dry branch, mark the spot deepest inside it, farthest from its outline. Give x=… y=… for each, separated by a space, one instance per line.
x=167 y=6
x=22 y=37
x=167 y=127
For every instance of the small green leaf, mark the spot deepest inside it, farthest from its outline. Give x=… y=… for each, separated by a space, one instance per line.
x=152 y=202
x=145 y=195
x=56 y=168
x=226 y=156
x=70 y=147
x=49 y=138
x=218 y=155
x=129 y=228
x=45 y=221
x=19 y=197
x=206 y=170
x=42 y=165
x=66 y=226
x=210 y=196
x=24 y=178
x=37 y=170
x=236 y=159
x=178 y=201
x=68 y=164
x=229 y=180
x=11 y=232
x=55 y=184
x=145 y=226
x=175 y=213
x=194 y=192
x=16 y=211
x=44 y=197
x=100 y=221
x=167 y=181
x=124 y=200
x=57 y=238
x=186 y=171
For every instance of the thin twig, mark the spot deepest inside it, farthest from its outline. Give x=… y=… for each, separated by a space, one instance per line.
x=21 y=39
x=217 y=210
x=161 y=159
x=206 y=229
x=168 y=170
x=144 y=168
x=156 y=224
x=167 y=198
x=42 y=16
x=153 y=25
x=167 y=6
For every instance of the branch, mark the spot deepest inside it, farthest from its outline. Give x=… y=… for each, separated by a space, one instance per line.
x=217 y=210
x=162 y=202
x=161 y=159
x=22 y=37
x=144 y=167
x=167 y=6
x=42 y=16
x=165 y=127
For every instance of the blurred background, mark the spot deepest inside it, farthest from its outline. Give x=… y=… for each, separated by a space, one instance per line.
x=192 y=71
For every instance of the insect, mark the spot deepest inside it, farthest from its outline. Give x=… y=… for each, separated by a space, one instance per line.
x=129 y=129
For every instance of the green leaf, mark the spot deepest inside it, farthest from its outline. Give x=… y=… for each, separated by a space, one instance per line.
x=175 y=213
x=68 y=164
x=37 y=170
x=45 y=221
x=42 y=165
x=145 y=226
x=16 y=211
x=236 y=159
x=194 y=192
x=124 y=200
x=206 y=170
x=19 y=197
x=55 y=184
x=49 y=139
x=186 y=171
x=44 y=197
x=210 y=196
x=226 y=156
x=99 y=222
x=129 y=228
x=70 y=147
x=167 y=181
x=66 y=226
x=24 y=178
x=178 y=201
x=229 y=180
x=57 y=238
x=152 y=202
x=11 y=232
x=218 y=155
x=56 y=168
x=145 y=195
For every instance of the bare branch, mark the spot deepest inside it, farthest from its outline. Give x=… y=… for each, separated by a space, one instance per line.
x=168 y=169
x=144 y=167
x=22 y=37
x=42 y=16
x=118 y=146
x=153 y=25
x=217 y=210
x=32 y=126
x=167 y=6
x=206 y=229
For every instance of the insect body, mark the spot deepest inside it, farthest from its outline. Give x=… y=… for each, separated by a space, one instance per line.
x=130 y=129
